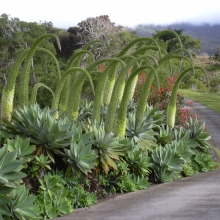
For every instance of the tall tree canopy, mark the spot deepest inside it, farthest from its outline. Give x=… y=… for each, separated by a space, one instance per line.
x=188 y=42
x=99 y=28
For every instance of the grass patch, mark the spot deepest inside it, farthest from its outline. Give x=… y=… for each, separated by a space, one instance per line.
x=213 y=68
x=211 y=100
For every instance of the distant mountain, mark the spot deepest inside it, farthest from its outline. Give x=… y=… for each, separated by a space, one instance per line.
x=208 y=34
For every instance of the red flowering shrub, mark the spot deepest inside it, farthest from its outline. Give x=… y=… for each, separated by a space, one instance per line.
x=161 y=97
x=182 y=116
x=102 y=68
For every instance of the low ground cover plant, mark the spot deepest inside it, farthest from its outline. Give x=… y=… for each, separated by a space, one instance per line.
x=75 y=152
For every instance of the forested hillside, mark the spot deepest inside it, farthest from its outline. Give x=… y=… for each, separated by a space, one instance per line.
x=209 y=35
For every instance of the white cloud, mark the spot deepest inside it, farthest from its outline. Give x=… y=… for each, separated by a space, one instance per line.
x=66 y=13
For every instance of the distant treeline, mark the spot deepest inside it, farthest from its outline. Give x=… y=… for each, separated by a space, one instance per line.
x=208 y=34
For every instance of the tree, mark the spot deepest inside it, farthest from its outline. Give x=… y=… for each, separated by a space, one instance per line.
x=15 y=37
x=216 y=55
x=188 y=42
x=70 y=41
x=101 y=28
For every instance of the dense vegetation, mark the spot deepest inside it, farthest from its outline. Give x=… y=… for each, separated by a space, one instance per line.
x=65 y=152
x=207 y=34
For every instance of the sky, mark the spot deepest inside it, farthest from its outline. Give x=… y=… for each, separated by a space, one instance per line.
x=128 y=13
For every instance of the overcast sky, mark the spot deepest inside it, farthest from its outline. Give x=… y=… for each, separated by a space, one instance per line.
x=68 y=13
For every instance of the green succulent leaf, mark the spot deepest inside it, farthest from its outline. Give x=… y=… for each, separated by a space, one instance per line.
x=10 y=167
x=42 y=128
x=166 y=165
x=4 y=200
x=22 y=204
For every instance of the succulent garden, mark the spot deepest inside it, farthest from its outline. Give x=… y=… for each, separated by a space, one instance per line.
x=111 y=125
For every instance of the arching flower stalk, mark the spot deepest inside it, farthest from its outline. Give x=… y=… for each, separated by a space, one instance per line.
x=8 y=92
x=24 y=85
x=136 y=41
x=34 y=92
x=75 y=60
x=111 y=78
x=134 y=81
x=100 y=89
x=171 y=108
x=9 y=89
x=75 y=99
x=142 y=51
x=117 y=94
x=141 y=106
x=60 y=84
x=51 y=55
x=120 y=127
x=161 y=33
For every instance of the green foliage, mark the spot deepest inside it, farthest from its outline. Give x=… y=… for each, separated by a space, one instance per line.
x=39 y=166
x=165 y=135
x=10 y=175
x=60 y=194
x=85 y=110
x=131 y=183
x=22 y=147
x=12 y=195
x=21 y=205
x=80 y=157
x=203 y=162
x=171 y=108
x=142 y=134
x=166 y=165
x=138 y=162
x=95 y=156
x=49 y=134
x=187 y=41
x=124 y=180
x=34 y=92
x=81 y=198
x=107 y=148
x=198 y=134
x=215 y=84
x=216 y=55
x=53 y=199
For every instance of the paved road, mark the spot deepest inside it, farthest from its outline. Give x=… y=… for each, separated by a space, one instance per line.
x=191 y=198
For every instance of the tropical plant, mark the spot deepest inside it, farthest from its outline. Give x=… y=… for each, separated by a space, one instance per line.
x=80 y=157
x=22 y=147
x=9 y=89
x=166 y=165
x=131 y=183
x=198 y=134
x=141 y=134
x=171 y=108
x=107 y=148
x=10 y=175
x=85 y=110
x=202 y=162
x=49 y=134
x=138 y=162
x=39 y=165
x=12 y=195
x=53 y=199
x=81 y=198
x=165 y=135
x=20 y=205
